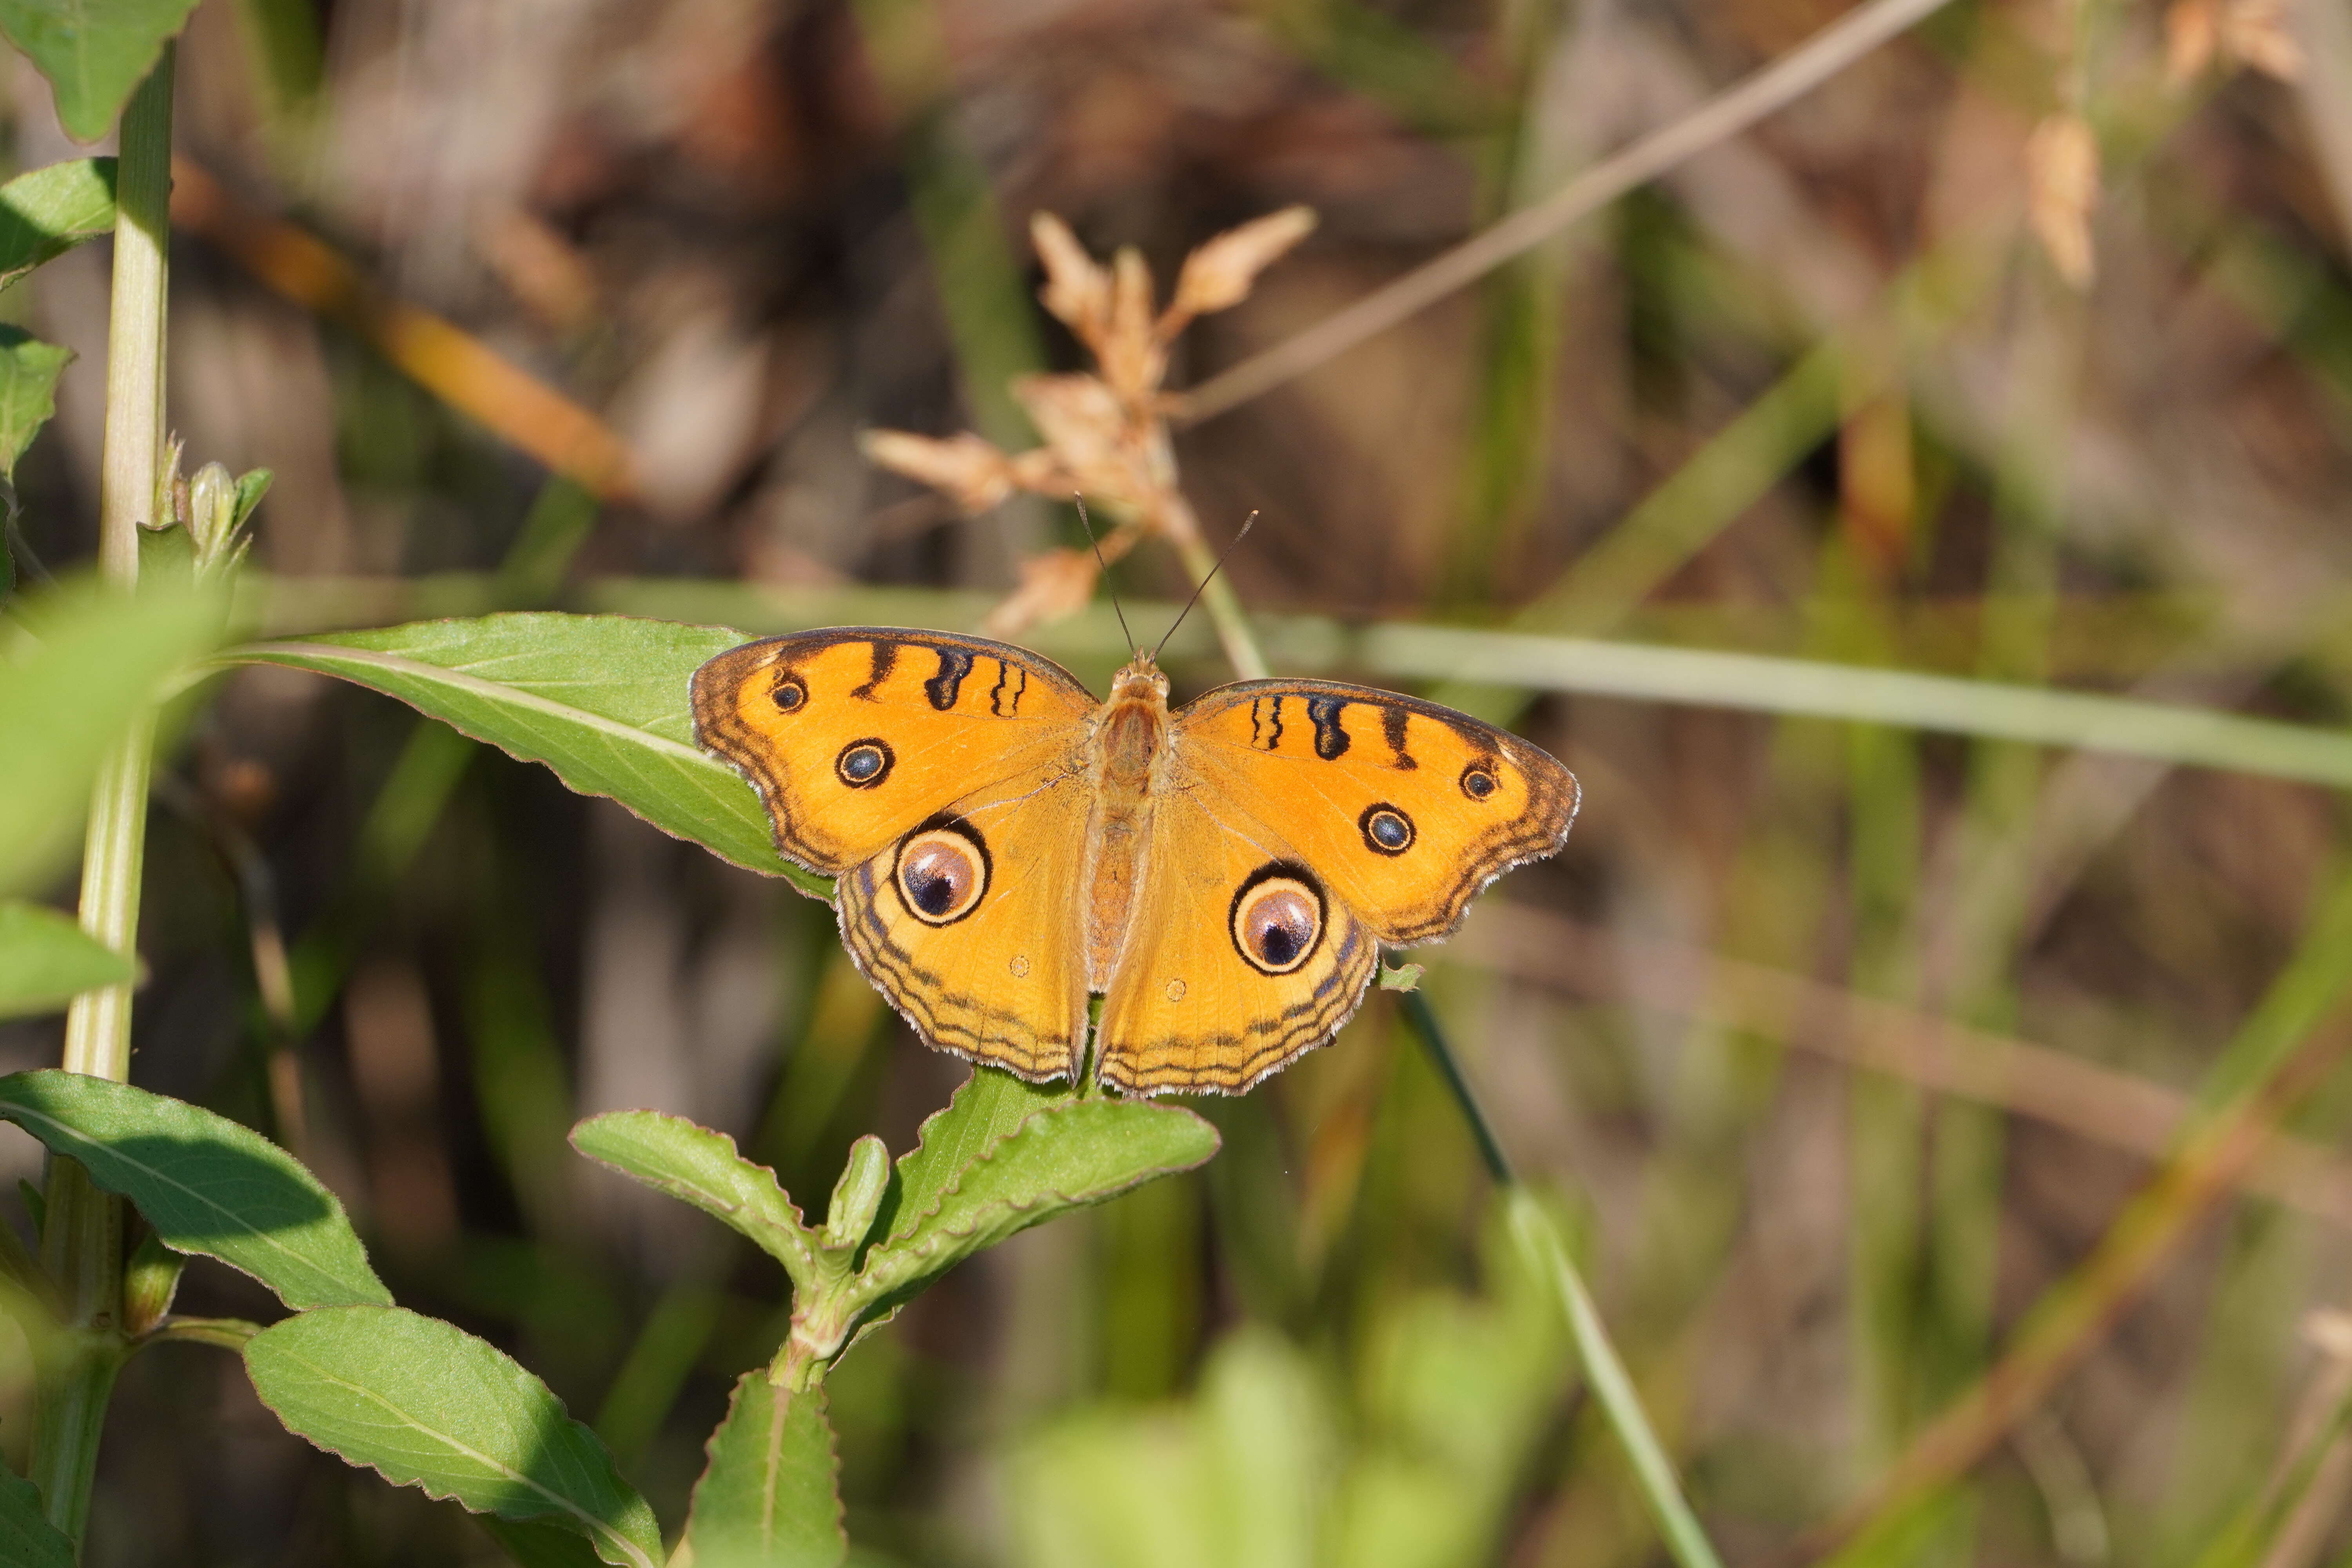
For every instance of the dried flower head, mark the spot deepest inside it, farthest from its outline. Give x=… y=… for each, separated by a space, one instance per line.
x=1054 y=583
x=1106 y=433
x=966 y=468
x=1076 y=290
x=2254 y=33
x=1220 y=273
x=2249 y=33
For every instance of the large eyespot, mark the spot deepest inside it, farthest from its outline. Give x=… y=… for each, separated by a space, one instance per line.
x=1278 y=917
x=1386 y=829
x=1478 y=781
x=790 y=694
x=864 y=763
x=943 y=870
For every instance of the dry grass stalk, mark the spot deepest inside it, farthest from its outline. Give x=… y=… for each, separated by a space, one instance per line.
x=1107 y=431
x=2050 y=1087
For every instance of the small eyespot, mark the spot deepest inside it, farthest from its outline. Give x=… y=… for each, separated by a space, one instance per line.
x=942 y=872
x=1386 y=829
x=789 y=694
x=1020 y=966
x=1278 y=919
x=862 y=764
x=1175 y=991
x=1477 y=782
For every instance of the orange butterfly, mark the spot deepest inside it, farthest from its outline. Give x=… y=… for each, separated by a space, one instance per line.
x=1222 y=875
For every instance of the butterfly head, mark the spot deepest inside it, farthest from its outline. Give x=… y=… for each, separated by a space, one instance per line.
x=1140 y=681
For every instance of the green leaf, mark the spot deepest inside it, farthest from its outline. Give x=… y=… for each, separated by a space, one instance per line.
x=671 y=1154
x=29 y=369
x=1079 y=1152
x=427 y=1405
x=771 y=1496
x=28 y=1539
x=45 y=959
x=47 y=212
x=206 y=1183
x=539 y=1545
x=986 y=1110
x=602 y=699
x=94 y=52
x=97 y=658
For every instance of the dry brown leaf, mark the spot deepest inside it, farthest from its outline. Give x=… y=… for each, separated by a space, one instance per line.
x=1053 y=585
x=965 y=466
x=2192 y=33
x=2061 y=177
x=2255 y=32
x=1086 y=427
x=1219 y=274
x=1133 y=357
x=1076 y=290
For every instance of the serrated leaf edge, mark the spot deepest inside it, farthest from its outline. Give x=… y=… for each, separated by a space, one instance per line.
x=921 y=1246
x=295 y=655
x=803 y=1229
x=595 y=1527
x=334 y=1204
x=832 y=1453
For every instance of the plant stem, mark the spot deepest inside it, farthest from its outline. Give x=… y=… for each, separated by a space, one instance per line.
x=82 y=1238
x=1538 y=1237
x=1224 y=609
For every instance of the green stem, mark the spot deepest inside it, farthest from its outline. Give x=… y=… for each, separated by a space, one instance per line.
x=1224 y=608
x=82 y=1239
x=1539 y=1241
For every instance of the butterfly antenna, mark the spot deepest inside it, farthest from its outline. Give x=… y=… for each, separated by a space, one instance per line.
x=1087 y=523
x=1248 y=523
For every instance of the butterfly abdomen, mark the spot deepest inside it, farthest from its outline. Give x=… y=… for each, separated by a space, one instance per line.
x=1128 y=743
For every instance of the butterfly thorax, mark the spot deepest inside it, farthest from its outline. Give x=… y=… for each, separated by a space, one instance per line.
x=1129 y=741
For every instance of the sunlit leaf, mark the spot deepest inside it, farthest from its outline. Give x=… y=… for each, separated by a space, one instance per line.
x=698 y=1166
x=69 y=697
x=94 y=52
x=539 y=1545
x=602 y=699
x=771 y=1497
x=28 y=1539
x=206 y=1183
x=29 y=369
x=985 y=1110
x=1070 y=1155
x=48 y=211
x=429 y=1406
x=45 y=959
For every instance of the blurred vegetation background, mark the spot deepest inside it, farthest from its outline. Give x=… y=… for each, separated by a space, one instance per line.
x=2021 y=349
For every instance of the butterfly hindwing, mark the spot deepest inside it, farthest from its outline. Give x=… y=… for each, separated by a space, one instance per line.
x=968 y=921
x=853 y=735
x=1241 y=957
x=1407 y=809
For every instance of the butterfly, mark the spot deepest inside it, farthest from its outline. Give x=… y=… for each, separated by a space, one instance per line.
x=1223 y=876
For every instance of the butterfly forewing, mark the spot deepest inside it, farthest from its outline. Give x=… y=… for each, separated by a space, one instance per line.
x=853 y=734
x=1405 y=808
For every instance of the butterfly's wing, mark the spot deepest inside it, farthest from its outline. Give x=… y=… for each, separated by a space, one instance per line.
x=970 y=922
x=941 y=779
x=1189 y=1006
x=854 y=734
x=1406 y=808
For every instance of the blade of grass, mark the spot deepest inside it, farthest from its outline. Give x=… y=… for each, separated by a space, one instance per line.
x=2293 y=1039
x=1540 y=1243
